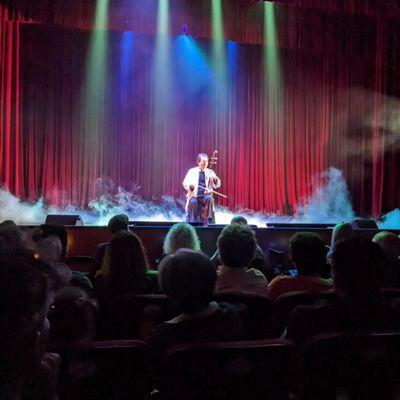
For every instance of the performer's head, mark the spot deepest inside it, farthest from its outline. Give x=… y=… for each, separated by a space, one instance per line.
x=202 y=160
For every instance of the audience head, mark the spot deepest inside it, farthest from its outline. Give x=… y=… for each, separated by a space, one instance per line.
x=236 y=245
x=127 y=263
x=49 y=249
x=188 y=278
x=342 y=231
x=180 y=236
x=11 y=237
x=356 y=265
x=72 y=317
x=60 y=231
x=238 y=219
x=308 y=252
x=118 y=223
x=389 y=243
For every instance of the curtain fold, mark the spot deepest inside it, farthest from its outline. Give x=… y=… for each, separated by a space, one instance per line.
x=339 y=108
x=11 y=154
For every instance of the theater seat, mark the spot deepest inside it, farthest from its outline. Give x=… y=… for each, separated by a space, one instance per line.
x=133 y=315
x=248 y=370
x=109 y=370
x=287 y=302
x=359 y=366
x=256 y=313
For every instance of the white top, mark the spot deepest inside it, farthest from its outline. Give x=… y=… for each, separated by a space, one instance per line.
x=241 y=280
x=192 y=178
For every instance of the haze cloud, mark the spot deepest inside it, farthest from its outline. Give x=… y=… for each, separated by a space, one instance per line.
x=329 y=203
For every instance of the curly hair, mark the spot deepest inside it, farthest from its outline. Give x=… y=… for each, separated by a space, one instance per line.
x=180 y=236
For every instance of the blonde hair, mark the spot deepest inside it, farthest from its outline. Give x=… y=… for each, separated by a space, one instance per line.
x=181 y=235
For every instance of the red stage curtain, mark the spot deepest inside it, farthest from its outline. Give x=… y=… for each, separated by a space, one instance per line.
x=338 y=110
x=11 y=156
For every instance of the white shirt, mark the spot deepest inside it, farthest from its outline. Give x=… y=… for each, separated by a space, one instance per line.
x=192 y=179
x=241 y=280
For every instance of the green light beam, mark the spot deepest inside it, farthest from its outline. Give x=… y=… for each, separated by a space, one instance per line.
x=94 y=94
x=272 y=69
x=96 y=71
x=218 y=54
x=162 y=64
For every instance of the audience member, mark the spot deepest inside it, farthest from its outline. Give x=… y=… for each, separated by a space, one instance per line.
x=390 y=244
x=356 y=267
x=188 y=279
x=124 y=267
x=181 y=235
x=50 y=250
x=11 y=238
x=342 y=231
x=236 y=245
x=117 y=223
x=258 y=259
x=59 y=231
x=72 y=317
x=26 y=371
x=308 y=252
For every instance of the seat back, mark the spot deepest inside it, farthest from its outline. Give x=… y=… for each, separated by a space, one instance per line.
x=391 y=294
x=230 y=370
x=80 y=263
x=112 y=370
x=364 y=366
x=256 y=313
x=133 y=315
x=287 y=302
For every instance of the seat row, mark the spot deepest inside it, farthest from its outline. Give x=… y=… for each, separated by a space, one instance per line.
x=358 y=366
x=128 y=315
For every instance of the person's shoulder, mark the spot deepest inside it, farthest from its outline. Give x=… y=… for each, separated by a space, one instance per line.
x=192 y=169
x=256 y=272
x=161 y=332
x=280 y=279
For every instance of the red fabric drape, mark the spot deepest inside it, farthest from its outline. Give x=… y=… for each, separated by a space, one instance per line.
x=338 y=110
x=11 y=160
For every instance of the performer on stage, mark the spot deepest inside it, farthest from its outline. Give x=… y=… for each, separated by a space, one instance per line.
x=198 y=183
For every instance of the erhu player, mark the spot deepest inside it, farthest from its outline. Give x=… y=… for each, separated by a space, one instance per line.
x=200 y=183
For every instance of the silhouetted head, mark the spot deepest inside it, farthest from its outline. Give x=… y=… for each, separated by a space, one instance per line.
x=188 y=278
x=127 y=263
x=389 y=243
x=308 y=252
x=236 y=245
x=118 y=223
x=357 y=265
